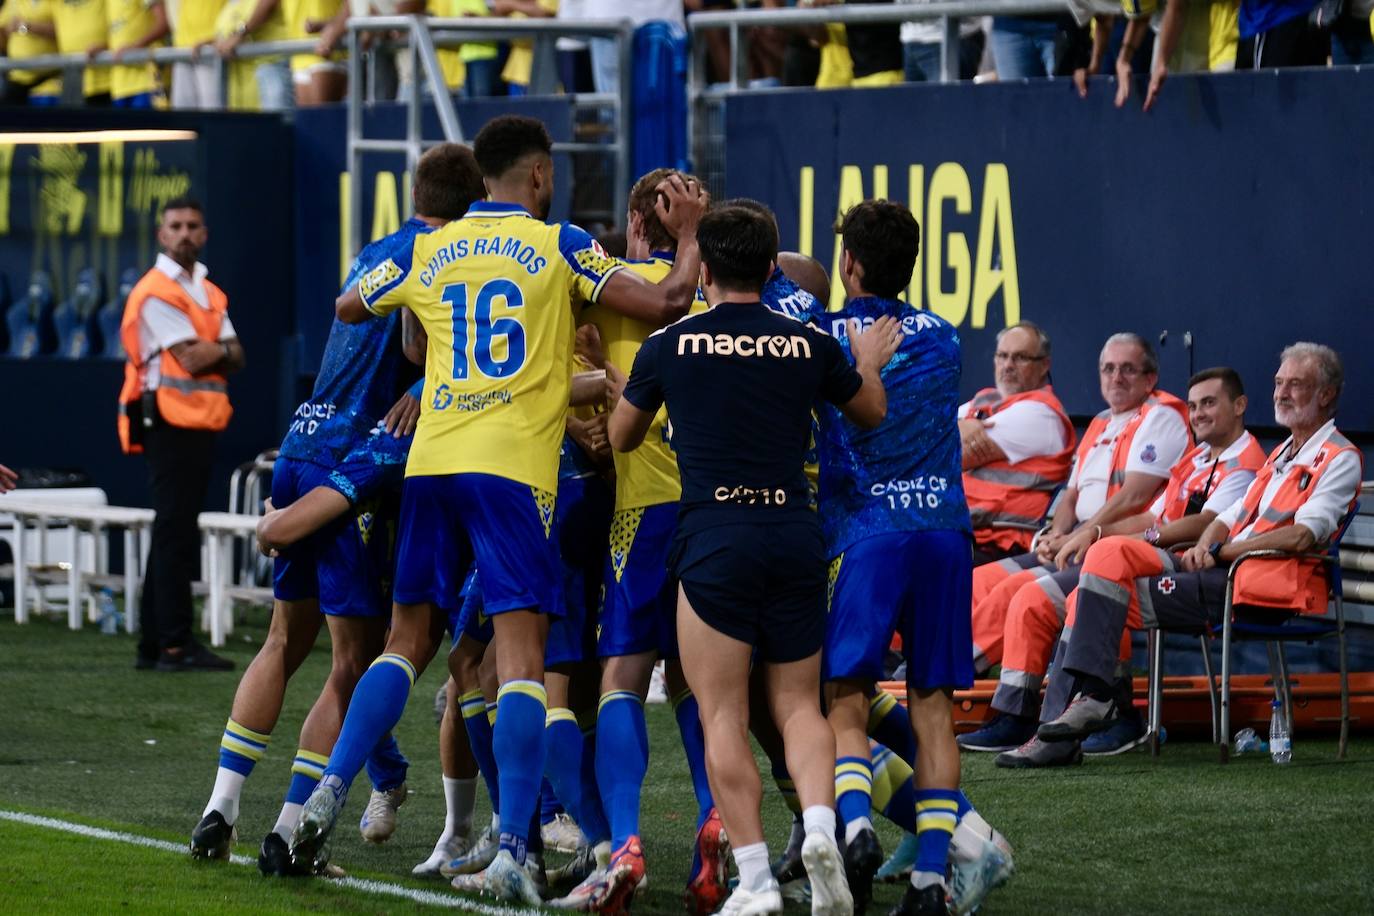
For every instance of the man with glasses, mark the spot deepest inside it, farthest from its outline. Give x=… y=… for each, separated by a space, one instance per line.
x=1017 y=446
x=1122 y=463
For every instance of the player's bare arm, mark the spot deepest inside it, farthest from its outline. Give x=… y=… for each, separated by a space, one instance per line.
x=280 y=528
x=349 y=307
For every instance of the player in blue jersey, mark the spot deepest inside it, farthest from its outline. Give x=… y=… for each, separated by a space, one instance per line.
x=336 y=466
x=748 y=552
x=898 y=534
x=495 y=292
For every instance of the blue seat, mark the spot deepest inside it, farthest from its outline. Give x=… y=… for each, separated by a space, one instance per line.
x=30 y=320
x=74 y=320
x=112 y=313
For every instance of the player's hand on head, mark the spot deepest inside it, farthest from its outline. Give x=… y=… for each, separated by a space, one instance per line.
x=401 y=419
x=680 y=204
x=8 y=479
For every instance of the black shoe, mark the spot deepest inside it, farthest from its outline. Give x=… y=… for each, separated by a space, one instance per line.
x=145 y=662
x=928 y=901
x=788 y=867
x=274 y=858
x=212 y=838
x=862 y=859
x=194 y=657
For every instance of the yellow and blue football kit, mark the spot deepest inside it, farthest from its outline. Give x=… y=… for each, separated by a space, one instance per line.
x=638 y=610
x=494 y=291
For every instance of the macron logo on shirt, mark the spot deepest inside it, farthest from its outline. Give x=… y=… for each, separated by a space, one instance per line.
x=765 y=345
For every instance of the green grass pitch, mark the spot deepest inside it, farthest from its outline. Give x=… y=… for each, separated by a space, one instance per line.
x=85 y=738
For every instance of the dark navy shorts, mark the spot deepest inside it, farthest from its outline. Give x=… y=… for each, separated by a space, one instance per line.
x=762 y=583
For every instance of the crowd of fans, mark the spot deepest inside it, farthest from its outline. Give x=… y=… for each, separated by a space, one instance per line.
x=1161 y=37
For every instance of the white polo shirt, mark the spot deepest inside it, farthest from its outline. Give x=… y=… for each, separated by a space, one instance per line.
x=1159 y=441
x=162 y=325
x=1323 y=510
x=1026 y=429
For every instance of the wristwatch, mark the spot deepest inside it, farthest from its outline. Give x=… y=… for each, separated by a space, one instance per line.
x=1151 y=535
x=1214 y=549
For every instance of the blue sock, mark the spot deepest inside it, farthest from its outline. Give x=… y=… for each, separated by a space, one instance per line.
x=853 y=788
x=241 y=748
x=306 y=771
x=965 y=806
x=479 y=724
x=386 y=765
x=563 y=767
x=518 y=745
x=550 y=805
x=377 y=705
x=622 y=760
x=889 y=725
x=688 y=715
x=936 y=817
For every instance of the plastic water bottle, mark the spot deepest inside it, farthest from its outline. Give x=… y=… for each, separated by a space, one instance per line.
x=110 y=617
x=1280 y=748
x=1247 y=740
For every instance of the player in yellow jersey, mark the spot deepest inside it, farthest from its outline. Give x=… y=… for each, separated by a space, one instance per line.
x=495 y=292
x=26 y=30
x=81 y=29
x=134 y=25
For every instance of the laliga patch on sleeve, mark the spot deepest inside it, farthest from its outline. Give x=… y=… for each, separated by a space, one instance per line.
x=378 y=277
x=1148 y=454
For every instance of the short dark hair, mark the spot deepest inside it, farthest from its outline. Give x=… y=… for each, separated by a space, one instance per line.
x=447 y=182
x=739 y=245
x=184 y=202
x=885 y=239
x=613 y=240
x=1230 y=380
x=643 y=196
x=505 y=140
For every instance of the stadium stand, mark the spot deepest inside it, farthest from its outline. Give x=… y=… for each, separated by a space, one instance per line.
x=30 y=320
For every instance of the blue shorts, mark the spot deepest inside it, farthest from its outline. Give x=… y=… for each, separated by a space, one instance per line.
x=469 y=619
x=762 y=583
x=918 y=583
x=346 y=564
x=448 y=522
x=142 y=100
x=639 y=607
x=581 y=522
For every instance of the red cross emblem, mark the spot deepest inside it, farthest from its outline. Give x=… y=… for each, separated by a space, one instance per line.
x=1167 y=585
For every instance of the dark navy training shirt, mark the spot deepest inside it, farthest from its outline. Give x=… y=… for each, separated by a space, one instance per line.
x=739 y=381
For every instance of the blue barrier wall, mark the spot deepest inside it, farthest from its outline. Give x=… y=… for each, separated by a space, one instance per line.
x=1237 y=211
x=72 y=206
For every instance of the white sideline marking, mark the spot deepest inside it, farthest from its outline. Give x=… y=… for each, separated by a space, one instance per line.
x=366 y=885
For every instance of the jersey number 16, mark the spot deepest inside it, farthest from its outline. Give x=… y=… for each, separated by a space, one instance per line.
x=484 y=332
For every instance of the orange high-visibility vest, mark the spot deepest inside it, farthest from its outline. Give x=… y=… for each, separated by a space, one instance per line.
x=1121 y=448
x=200 y=402
x=1291 y=584
x=1185 y=479
x=1006 y=493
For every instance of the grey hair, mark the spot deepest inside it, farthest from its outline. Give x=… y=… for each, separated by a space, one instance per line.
x=1151 y=366
x=1035 y=329
x=1328 y=362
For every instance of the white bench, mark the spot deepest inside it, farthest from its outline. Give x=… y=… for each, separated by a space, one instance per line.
x=41 y=513
x=220 y=530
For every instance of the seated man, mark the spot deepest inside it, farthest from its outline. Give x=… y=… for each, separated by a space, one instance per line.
x=1122 y=463
x=1015 y=462
x=1294 y=504
x=1204 y=483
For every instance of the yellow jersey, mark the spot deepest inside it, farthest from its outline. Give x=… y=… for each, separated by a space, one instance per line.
x=298 y=14
x=193 y=22
x=520 y=60
x=130 y=20
x=473 y=50
x=647 y=476
x=81 y=26
x=31 y=45
x=495 y=292
x=450 y=59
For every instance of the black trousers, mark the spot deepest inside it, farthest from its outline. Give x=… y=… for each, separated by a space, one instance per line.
x=179 y=462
